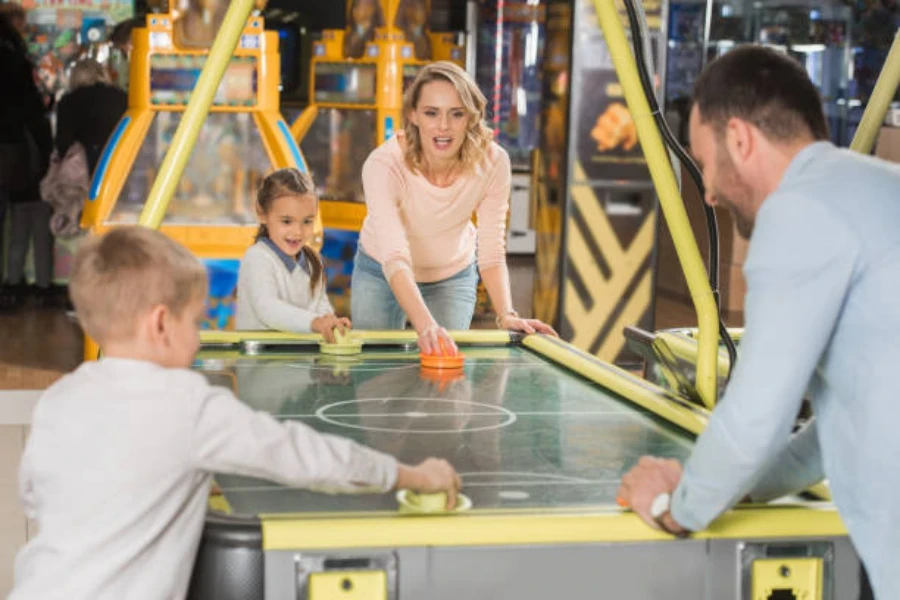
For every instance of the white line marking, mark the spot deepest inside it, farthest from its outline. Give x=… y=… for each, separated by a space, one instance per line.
x=573 y=413
x=497 y=411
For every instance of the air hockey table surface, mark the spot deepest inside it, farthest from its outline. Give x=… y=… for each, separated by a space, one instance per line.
x=541 y=434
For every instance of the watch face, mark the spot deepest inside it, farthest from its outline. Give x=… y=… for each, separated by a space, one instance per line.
x=660 y=505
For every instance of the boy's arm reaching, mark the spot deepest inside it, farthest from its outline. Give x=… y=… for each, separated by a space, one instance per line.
x=232 y=438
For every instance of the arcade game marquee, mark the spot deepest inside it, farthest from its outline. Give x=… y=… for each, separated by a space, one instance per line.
x=242 y=138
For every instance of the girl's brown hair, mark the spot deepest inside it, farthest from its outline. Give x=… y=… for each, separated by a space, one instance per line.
x=478 y=135
x=289 y=182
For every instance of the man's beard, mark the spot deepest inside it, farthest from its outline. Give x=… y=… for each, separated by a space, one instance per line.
x=744 y=226
x=738 y=197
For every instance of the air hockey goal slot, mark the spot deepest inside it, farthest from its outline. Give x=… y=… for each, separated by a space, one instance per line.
x=787 y=571
x=346 y=576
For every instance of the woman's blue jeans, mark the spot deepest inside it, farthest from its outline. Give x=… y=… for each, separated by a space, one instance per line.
x=451 y=301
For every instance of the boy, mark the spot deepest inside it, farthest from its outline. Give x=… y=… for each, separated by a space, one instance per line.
x=117 y=468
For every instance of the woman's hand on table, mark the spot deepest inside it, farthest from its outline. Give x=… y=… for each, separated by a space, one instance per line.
x=512 y=322
x=435 y=340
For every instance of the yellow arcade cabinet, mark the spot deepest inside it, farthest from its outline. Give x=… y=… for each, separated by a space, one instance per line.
x=242 y=139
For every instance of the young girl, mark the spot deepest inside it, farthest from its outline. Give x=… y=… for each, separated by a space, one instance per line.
x=281 y=284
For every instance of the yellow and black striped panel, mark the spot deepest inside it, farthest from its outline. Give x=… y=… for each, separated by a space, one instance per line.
x=609 y=268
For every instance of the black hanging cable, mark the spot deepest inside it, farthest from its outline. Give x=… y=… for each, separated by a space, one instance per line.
x=638 y=35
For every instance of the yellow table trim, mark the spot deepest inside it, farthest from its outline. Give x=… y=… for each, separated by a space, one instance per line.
x=476 y=529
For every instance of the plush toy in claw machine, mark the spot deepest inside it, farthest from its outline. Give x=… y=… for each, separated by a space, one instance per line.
x=197 y=24
x=412 y=19
x=363 y=18
x=196 y=27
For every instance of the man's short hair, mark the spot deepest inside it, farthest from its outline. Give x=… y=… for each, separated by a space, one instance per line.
x=120 y=276
x=764 y=87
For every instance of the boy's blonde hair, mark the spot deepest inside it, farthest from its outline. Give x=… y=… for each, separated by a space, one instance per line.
x=118 y=277
x=478 y=135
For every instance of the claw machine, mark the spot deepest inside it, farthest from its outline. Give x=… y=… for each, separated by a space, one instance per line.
x=242 y=139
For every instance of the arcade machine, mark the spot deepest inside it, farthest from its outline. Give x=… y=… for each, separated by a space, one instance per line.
x=241 y=140
x=510 y=52
x=508 y=71
x=357 y=79
x=595 y=204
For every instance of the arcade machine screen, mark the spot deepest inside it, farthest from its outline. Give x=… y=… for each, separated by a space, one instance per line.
x=219 y=181
x=173 y=77
x=340 y=139
x=228 y=161
x=340 y=83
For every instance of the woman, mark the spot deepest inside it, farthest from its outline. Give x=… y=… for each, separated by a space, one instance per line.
x=418 y=245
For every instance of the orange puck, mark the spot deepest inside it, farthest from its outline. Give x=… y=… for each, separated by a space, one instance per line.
x=442 y=362
x=621 y=502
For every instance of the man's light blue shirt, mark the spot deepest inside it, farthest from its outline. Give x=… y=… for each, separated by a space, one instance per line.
x=822 y=310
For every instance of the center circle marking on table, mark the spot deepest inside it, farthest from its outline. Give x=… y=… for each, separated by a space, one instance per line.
x=509 y=417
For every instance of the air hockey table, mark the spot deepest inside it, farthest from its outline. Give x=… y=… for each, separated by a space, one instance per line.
x=541 y=434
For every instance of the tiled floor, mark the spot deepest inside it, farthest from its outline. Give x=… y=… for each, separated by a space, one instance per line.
x=39 y=346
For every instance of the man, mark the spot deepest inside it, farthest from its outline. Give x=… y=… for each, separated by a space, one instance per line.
x=822 y=310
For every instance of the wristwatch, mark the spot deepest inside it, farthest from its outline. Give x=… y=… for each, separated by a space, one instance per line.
x=659 y=509
x=499 y=319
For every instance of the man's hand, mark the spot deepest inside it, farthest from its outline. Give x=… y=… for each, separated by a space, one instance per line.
x=648 y=479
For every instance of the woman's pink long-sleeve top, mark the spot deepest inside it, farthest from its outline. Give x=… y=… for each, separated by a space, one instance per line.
x=427 y=230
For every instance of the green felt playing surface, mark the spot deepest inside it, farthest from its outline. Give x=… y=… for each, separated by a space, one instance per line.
x=522 y=431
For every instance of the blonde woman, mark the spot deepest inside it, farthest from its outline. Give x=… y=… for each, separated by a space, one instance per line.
x=418 y=248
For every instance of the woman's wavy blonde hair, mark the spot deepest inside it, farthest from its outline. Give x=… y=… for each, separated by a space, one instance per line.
x=478 y=135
